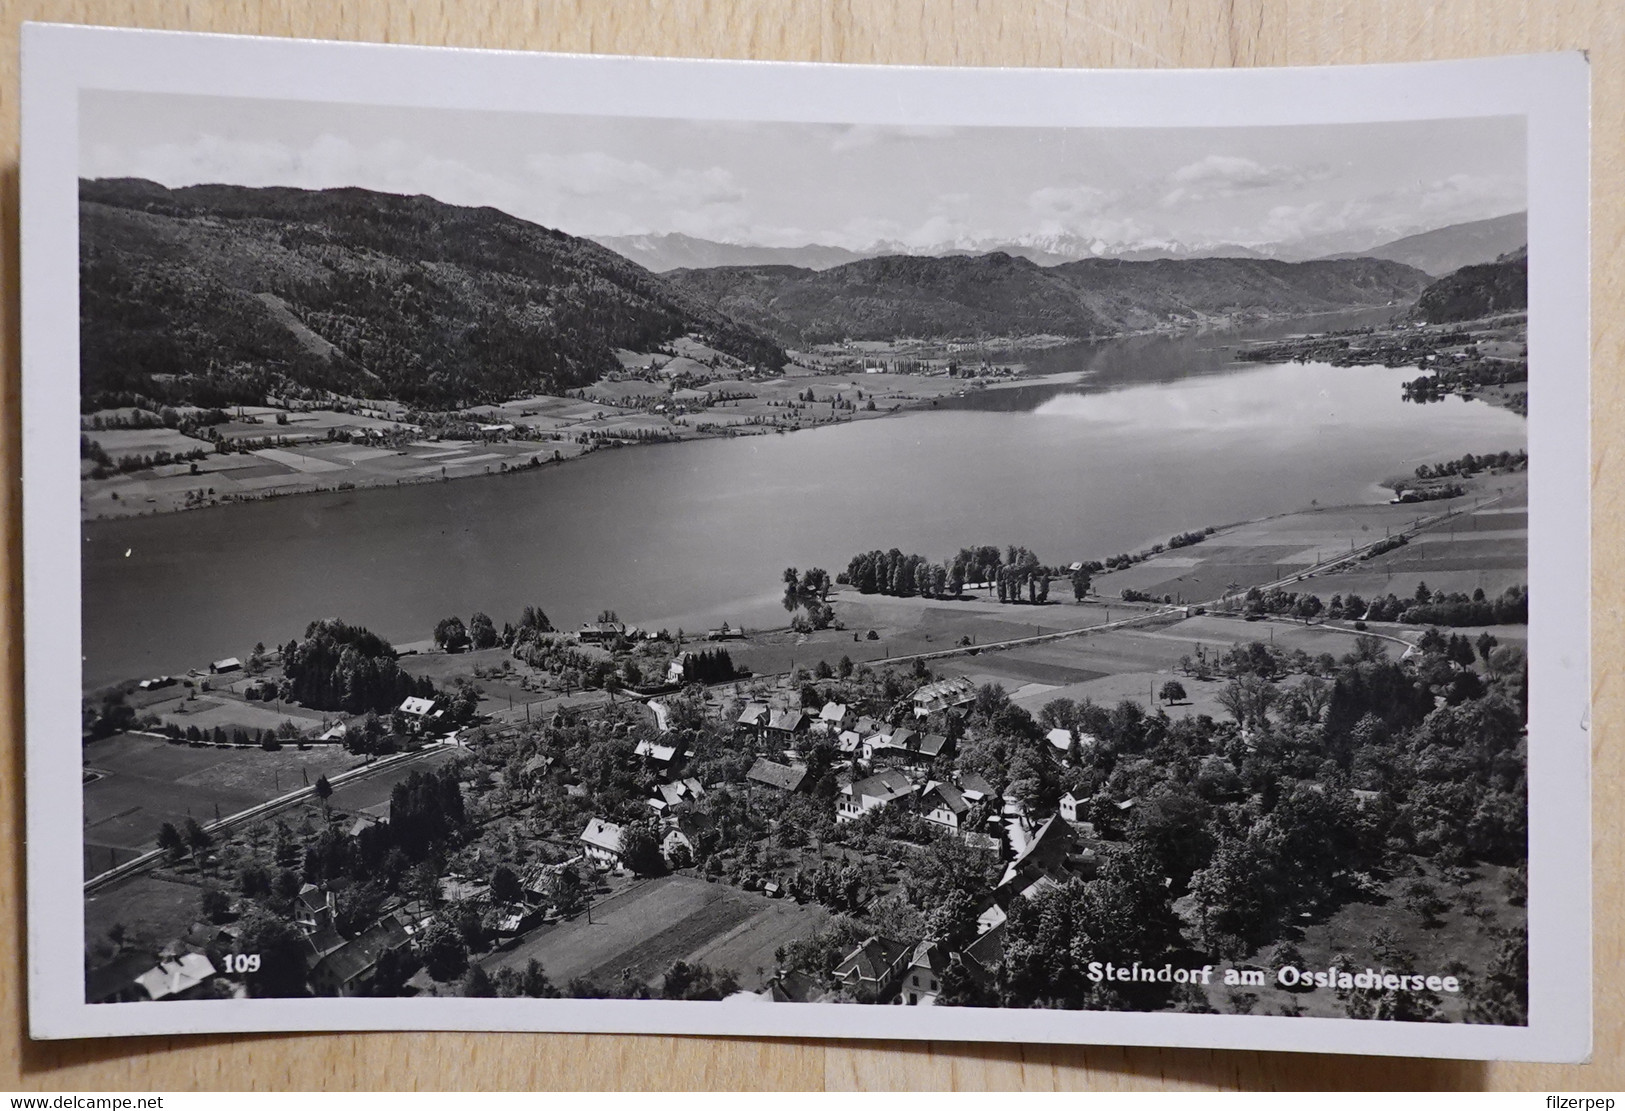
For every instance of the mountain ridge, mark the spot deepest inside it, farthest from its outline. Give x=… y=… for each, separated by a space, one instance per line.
x=1000 y=294
x=1444 y=250
x=422 y=302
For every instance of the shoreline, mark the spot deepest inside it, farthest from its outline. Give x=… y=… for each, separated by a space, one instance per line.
x=903 y=394
x=902 y=407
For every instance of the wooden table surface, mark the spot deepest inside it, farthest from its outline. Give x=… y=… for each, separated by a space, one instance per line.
x=1115 y=33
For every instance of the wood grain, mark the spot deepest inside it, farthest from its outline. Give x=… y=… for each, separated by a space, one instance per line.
x=1142 y=33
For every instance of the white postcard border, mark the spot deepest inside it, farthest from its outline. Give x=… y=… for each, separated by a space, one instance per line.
x=1552 y=91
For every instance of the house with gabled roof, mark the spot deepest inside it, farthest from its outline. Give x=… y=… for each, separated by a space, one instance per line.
x=313 y=908
x=976 y=788
x=858 y=798
x=1061 y=740
x=787 y=724
x=982 y=957
x=663 y=755
x=601 y=842
x=753 y=718
x=345 y=971
x=944 y=804
x=1043 y=858
x=181 y=978
x=835 y=716
x=781 y=777
x=417 y=708
x=922 y=976
x=944 y=694
x=596 y=632
x=873 y=967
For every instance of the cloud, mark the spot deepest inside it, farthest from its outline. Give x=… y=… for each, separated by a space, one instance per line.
x=1068 y=202
x=1224 y=175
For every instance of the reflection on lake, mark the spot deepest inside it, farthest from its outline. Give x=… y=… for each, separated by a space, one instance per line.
x=693 y=533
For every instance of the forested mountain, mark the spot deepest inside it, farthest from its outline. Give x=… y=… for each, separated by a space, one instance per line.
x=219 y=294
x=1475 y=291
x=997 y=294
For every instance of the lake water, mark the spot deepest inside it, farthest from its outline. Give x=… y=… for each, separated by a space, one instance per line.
x=694 y=533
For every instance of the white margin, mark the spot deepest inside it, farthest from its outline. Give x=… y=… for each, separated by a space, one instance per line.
x=1551 y=91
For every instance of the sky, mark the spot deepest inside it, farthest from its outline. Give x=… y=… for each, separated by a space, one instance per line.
x=1334 y=187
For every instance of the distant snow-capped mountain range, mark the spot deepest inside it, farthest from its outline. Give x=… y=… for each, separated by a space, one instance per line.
x=1436 y=251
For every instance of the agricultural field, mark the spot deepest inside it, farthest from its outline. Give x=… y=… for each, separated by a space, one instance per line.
x=1483 y=543
x=153 y=911
x=637 y=933
x=135 y=783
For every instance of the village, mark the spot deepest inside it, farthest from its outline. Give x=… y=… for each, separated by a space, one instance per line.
x=619 y=812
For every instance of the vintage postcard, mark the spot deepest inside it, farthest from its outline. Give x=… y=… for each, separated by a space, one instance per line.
x=611 y=544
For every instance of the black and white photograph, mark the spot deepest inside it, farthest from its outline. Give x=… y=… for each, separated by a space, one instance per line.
x=905 y=568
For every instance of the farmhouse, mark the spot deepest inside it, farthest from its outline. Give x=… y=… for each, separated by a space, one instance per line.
x=944 y=694
x=1042 y=862
x=601 y=842
x=418 y=710
x=596 y=632
x=782 y=777
x=786 y=724
x=857 y=799
x=348 y=969
x=225 y=666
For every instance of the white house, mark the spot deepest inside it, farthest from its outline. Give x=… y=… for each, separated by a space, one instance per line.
x=601 y=842
x=857 y=799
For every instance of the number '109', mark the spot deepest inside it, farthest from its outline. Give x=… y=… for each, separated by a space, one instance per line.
x=242 y=962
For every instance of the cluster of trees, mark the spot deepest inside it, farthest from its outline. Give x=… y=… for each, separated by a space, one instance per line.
x=128 y=464
x=346 y=667
x=1014 y=572
x=451 y=635
x=1424 y=607
x=1430 y=607
x=1384 y=546
x=1432 y=492
x=709 y=665
x=1471 y=464
x=156 y=416
x=808 y=591
x=1186 y=539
